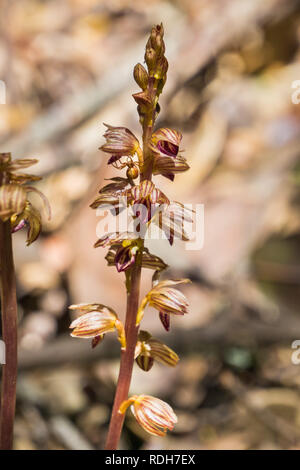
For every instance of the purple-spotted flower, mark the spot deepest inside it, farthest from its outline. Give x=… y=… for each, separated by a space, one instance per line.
x=154 y=415
x=167 y=300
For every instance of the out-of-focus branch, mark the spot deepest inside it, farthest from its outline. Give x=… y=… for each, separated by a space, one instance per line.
x=225 y=329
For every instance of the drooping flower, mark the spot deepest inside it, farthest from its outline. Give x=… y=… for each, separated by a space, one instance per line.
x=15 y=206
x=120 y=142
x=95 y=321
x=28 y=217
x=165 y=299
x=149 y=349
x=154 y=415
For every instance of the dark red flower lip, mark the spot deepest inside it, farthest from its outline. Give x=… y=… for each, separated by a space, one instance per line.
x=167 y=148
x=124 y=259
x=165 y=320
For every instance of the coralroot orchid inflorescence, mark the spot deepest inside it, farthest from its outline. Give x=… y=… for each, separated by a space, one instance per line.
x=158 y=153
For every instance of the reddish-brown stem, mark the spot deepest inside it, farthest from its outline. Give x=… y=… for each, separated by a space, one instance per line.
x=131 y=330
x=147 y=133
x=9 y=335
x=127 y=360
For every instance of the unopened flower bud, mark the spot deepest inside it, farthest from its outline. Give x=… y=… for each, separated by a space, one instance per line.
x=132 y=172
x=161 y=69
x=156 y=38
x=141 y=76
x=150 y=59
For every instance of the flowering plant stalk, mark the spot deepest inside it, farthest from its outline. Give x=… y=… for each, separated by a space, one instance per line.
x=16 y=212
x=158 y=155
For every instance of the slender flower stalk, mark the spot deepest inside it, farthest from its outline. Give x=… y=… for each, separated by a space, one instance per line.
x=127 y=360
x=147 y=205
x=16 y=212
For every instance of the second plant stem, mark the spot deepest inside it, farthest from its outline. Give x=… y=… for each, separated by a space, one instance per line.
x=9 y=335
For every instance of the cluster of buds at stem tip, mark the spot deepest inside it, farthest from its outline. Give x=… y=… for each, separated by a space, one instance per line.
x=95 y=321
x=152 y=81
x=14 y=204
x=149 y=349
x=154 y=415
x=167 y=300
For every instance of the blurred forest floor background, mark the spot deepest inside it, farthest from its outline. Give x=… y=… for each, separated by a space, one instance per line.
x=67 y=67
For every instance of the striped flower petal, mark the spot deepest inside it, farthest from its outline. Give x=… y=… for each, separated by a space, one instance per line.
x=171 y=220
x=93 y=324
x=95 y=321
x=120 y=141
x=114 y=238
x=12 y=200
x=166 y=142
x=154 y=415
x=166 y=300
